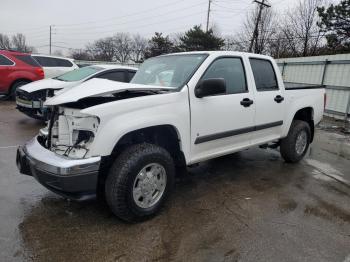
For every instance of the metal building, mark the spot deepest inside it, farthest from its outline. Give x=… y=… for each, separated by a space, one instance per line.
x=332 y=71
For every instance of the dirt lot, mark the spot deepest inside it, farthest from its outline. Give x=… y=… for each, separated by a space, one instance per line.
x=249 y=206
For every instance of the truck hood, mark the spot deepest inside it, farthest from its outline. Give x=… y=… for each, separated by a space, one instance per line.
x=98 y=87
x=47 y=84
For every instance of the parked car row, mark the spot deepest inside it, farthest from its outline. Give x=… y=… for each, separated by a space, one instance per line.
x=32 y=78
x=18 y=69
x=31 y=97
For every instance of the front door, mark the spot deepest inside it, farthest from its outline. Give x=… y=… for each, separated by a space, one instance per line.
x=223 y=123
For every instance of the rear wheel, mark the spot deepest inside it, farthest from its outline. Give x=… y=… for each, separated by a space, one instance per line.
x=294 y=147
x=139 y=182
x=12 y=94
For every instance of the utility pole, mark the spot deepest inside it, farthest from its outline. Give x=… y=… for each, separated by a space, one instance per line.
x=50 y=39
x=261 y=4
x=208 y=15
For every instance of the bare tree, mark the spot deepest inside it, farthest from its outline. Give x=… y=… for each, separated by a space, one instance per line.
x=139 y=47
x=301 y=27
x=81 y=54
x=102 y=49
x=5 y=42
x=279 y=45
x=58 y=53
x=123 y=47
x=266 y=31
x=19 y=43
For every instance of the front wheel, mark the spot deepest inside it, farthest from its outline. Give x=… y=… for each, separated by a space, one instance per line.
x=294 y=147
x=139 y=182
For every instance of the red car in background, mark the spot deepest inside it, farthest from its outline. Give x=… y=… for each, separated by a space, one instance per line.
x=17 y=69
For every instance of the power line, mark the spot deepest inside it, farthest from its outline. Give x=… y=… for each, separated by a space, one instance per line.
x=143 y=25
x=155 y=8
x=226 y=8
x=128 y=15
x=35 y=30
x=89 y=28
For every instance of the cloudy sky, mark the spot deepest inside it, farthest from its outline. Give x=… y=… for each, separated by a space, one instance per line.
x=77 y=22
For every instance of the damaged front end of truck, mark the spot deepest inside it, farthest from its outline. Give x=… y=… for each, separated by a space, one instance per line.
x=60 y=156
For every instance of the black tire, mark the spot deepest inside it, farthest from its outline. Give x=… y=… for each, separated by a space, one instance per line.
x=288 y=144
x=12 y=93
x=120 y=181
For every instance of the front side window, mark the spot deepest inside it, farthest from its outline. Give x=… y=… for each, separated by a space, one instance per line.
x=169 y=70
x=264 y=75
x=4 y=61
x=231 y=69
x=114 y=76
x=79 y=74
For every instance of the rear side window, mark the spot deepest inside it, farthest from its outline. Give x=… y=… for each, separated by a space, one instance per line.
x=29 y=60
x=53 y=62
x=63 y=62
x=231 y=69
x=43 y=61
x=264 y=75
x=4 y=61
x=114 y=76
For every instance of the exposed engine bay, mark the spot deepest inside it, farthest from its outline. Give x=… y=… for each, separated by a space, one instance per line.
x=69 y=132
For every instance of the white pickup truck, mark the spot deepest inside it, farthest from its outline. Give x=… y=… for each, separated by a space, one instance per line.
x=128 y=141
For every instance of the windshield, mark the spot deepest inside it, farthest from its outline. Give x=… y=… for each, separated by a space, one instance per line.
x=168 y=71
x=79 y=74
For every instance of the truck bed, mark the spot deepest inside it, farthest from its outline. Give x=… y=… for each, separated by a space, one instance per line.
x=296 y=86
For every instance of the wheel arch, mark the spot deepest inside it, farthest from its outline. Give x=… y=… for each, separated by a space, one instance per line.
x=23 y=79
x=306 y=114
x=166 y=136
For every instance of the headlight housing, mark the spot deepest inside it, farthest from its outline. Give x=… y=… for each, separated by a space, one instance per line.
x=82 y=137
x=71 y=132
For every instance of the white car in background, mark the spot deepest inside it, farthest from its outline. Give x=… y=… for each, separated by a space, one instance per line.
x=54 y=65
x=31 y=97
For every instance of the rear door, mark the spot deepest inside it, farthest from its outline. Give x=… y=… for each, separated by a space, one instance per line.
x=47 y=65
x=63 y=65
x=6 y=67
x=223 y=123
x=269 y=98
x=54 y=66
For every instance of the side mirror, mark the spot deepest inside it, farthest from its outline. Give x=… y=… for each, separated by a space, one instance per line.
x=210 y=87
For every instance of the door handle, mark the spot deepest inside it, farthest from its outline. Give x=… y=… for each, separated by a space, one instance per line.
x=246 y=102
x=279 y=99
